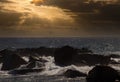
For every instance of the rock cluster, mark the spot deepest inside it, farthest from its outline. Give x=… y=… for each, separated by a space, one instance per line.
x=103 y=74
x=12 y=60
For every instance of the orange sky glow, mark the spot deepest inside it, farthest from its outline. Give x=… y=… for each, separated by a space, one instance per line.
x=57 y=18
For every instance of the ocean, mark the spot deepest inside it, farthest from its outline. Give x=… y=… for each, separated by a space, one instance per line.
x=103 y=46
x=98 y=45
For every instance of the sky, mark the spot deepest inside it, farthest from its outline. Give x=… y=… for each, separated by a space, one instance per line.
x=59 y=18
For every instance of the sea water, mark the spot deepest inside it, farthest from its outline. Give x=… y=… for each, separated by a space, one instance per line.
x=52 y=72
x=98 y=45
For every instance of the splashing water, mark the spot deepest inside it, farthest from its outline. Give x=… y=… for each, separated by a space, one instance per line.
x=52 y=69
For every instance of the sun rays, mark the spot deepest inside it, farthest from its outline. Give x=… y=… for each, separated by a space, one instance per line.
x=33 y=18
x=29 y=10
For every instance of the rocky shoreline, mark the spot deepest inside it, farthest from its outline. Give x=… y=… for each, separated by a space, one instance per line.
x=13 y=61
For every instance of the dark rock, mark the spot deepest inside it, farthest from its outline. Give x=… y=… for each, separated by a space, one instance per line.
x=24 y=71
x=12 y=61
x=33 y=58
x=102 y=74
x=114 y=56
x=6 y=51
x=36 y=58
x=35 y=61
x=68 y=55
x=63 y=56
x=84 y=50
x=114 y=62
x=91 y=59
x=35 y=64
x=73 y=74
x=42 y=51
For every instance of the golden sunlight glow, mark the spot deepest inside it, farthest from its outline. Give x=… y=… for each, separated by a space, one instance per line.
x=37 y=15
x=36 y=1
x=30 y=10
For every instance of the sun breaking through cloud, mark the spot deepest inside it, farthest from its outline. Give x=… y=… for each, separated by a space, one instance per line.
x=40 y=14
x=59 y=17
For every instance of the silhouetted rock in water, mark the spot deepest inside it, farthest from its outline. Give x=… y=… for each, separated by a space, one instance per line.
x=6 y=51
x=24 y=71
x=12 y=61
x=36 y=58
x=33 y=58
x=68 y=55
x=114 y=56
x=114 y=62
x=73 y=74
x=102 y=74
x=42 y=51
x=35 y=64
x=91 y=59
x=32 y=66
x=45 y=51
x=84 y=50
x=63 y=56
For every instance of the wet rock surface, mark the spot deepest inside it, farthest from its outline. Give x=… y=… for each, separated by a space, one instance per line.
x=73 y=74
x=24 y=71
x=64 y=55
x=12 y=61
x=102 y=74
x=91 y=59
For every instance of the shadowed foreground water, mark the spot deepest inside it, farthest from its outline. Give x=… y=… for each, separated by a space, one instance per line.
x=38 y=78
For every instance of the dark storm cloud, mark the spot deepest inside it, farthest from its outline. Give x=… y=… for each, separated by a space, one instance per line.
x=9 y=19
x=95 y=18
x=104 y=21
x=73 y=5
x=8 y=22
x=5 y=1
x=92 y=10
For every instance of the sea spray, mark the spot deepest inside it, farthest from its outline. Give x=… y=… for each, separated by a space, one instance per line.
x=52 y=69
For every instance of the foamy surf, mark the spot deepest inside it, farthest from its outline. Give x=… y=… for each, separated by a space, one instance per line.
x=51 y=73
x=51 y=68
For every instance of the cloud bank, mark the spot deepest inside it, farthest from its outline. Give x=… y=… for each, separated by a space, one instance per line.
x=49 y=18
x=95 y=17
x=25 y=18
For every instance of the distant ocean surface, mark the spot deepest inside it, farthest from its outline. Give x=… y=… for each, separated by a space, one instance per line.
x=98 y=45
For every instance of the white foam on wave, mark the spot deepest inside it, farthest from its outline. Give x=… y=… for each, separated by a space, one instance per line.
x=3 y=73
x=116 y=52
x=116 y=59
x=107 y=52
x=85 y=69
x=115 y=66
x=25 y=58
x=52 y=69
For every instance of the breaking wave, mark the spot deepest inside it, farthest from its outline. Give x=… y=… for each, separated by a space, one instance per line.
x=51 y=68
